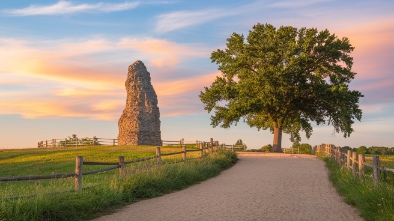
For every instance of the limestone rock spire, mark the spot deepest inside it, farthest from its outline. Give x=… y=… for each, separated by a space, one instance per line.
x=140 y=120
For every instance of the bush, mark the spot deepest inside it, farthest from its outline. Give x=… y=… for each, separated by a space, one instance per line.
x=304 y=148
x=267 y=148
x=362 y=150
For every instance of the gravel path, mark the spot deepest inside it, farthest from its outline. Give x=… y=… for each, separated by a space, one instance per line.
x=258 y=187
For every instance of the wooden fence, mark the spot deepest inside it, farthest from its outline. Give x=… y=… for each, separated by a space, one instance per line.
x=356 y=162
x=203 y=148
x=70 y=142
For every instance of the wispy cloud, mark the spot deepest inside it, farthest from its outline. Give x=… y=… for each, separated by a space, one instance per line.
x=76 y=78
x=296 y=4
x=181 y=19
x=66 y=7
x=100 y=102
x=86 y=60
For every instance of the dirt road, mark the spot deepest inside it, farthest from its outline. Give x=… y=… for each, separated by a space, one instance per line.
x=258 y=187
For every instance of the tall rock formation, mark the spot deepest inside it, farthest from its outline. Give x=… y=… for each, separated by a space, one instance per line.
x=140 y=121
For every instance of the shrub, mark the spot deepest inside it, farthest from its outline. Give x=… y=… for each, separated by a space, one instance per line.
x=304 y=148
x=267 y=148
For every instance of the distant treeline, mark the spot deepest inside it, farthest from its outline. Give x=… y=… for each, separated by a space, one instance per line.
x=375 y=150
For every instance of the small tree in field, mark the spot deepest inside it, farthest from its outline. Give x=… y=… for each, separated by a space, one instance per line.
x=362 y=149
x=267 y=148
x=283 y=79
x=240 y=143
x=303 y=148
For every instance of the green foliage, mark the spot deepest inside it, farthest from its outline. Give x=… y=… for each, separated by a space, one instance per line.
x=74 y=140
x=304 y=148
x=375 y=202
x=113 y=192
x=284 y=77
x=345 y=148
x=267 y=148
x=378 y=150
x=362 y=150
x=240 y=143
x=375 y=150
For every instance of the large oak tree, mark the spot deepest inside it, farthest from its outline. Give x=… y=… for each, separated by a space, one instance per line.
x=283 y=79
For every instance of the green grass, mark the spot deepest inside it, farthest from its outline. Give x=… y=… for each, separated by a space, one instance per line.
x=375 y=202
x=62 y=160
x=107 y=190
x=385 y=160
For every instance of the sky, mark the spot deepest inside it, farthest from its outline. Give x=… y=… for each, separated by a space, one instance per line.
x=63 y=64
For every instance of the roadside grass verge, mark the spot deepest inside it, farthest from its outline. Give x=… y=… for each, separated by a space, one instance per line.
x=110 y=192
x=45 y=161
x=375 y=202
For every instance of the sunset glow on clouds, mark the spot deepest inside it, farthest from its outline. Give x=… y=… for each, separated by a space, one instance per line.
x=67 y=60
x=78 y=78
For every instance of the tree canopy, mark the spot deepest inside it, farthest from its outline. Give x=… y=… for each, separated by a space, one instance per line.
x=283 y=79
x=240 y=143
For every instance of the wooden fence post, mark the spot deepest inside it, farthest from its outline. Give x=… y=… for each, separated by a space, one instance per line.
x=376 y=169
x=78 y=173
x=335 y=154
x=211 y=145
x=65 y=142
x=361 y=160
x=184 y=152
x=354 y=161
x=201 y=150
x=332 y=154
x=121 y=166
x=158 y=154
x=348 y=158
x=113 y=142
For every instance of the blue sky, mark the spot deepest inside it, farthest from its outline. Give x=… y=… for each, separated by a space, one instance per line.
x=63 y=64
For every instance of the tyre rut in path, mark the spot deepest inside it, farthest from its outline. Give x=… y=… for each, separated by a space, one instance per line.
x=258 y=187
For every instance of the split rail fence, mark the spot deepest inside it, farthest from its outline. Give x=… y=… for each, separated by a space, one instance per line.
x=70 y=142
x=94 y=141
x=203 y=148
x=356 y=162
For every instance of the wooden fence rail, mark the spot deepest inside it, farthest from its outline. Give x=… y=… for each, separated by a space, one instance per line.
x=356 y=162
x=204 y=147
x=95 y=141
x=70 y=142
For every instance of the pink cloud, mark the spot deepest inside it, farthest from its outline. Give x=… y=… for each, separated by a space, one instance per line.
x=374 y=48
x=81 y=61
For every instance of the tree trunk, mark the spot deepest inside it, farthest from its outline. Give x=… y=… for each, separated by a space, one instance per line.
x=277 y=147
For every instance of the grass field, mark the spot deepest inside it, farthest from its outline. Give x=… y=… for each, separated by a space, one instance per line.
x=385 y=160
x=23 y=162
x=106 y=191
